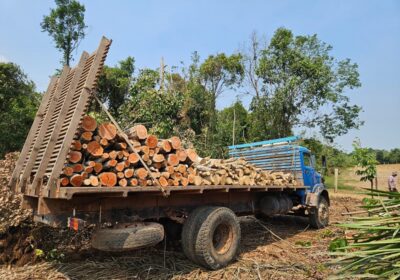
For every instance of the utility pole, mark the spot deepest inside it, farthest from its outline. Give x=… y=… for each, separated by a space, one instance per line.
x=234 y=122
x=162 y=74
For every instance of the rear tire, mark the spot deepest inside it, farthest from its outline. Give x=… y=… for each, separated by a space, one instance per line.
x=319 y=216
x=215 y=237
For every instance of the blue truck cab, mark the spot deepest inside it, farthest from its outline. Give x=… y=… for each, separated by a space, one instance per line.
x=286 y=155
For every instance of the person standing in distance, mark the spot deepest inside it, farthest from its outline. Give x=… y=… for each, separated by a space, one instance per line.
x=392 y=182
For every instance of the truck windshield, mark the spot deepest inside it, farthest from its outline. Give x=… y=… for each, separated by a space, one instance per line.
x=307 y=159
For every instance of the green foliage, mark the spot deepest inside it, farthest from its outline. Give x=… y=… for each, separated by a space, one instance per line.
x=366 y=162
x=374 y=248
x=66 y=25
x=299 y=78
x=114 y=84
x=338 y=245
x=18 y=105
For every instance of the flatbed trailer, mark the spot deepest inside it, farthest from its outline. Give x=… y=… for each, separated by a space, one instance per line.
x=203 y=217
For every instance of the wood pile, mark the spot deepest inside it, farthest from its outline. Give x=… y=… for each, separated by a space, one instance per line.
x=11 y=213
x=100 y=156
x=239 y=172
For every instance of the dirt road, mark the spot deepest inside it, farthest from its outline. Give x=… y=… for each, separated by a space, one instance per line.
x=280 y=248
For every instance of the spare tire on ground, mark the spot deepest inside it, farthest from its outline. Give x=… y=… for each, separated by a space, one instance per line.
x=135 y=236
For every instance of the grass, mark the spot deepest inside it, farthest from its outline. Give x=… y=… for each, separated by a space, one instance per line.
x=330 y=184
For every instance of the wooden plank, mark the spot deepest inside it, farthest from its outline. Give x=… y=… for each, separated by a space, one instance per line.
x=30 y=140
x=60 y=120
x=27 y=171
x=81 y=108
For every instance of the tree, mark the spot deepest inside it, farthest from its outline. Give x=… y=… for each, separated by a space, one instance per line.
x=114 y=84
x=303 y=85
x=66 y=25
x=219 y=72
x=366 y=162
x=18 y=105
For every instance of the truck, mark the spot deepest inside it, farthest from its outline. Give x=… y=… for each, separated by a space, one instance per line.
x=204 y=218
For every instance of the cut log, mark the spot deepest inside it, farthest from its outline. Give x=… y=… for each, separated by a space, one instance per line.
x=137 y=132
x=120 y=175
x=128 y=173
x=74 y=156
x=64 y=181
x=192 y=155
x=151 y=152
x=110 y=163
x=175 y=142
x=104 y=142
x=165 y=174
x=88 y=169
x=113 y=154
x=123 y=182
x=108 y=179
x=76 y=180
x=170 y=169
x=86 y=136
x=181 y=168
x=145 y=150
x=165 y=146
x=133 y=182
x=103 y=158
x=182 y=155
x=133 y=158
x=78 y=168
x=88 y=123
x=151 y=141
x=198 y=181
x=141 y=173
x=158 y=158
x=68 y=171
x=191 y=178
x=94 y=181
x=76 y=145
x=142 y=183
x=107 y=131
x=184 y=181
x=163 y=181
x=120 y=166
x=173 y=160
x=98 y=167
x=95 y=149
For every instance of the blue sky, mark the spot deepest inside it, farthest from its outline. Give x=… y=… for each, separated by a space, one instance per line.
x=368 y=32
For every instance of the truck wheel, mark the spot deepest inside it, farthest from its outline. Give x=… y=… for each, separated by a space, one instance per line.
x=189 y=233
x=319 y=216
x=217 y=237
x=130 y=238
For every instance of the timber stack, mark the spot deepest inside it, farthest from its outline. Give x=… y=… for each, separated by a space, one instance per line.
x=100 y=157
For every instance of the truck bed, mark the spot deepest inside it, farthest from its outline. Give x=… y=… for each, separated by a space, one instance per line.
x=70 y=192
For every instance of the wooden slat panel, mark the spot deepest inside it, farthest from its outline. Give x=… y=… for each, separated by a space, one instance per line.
x=43 y=129
x=32 y=135
x=81 y=108
x=34 y=189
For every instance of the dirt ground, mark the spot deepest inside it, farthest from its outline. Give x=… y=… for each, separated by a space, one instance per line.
x=283 y=247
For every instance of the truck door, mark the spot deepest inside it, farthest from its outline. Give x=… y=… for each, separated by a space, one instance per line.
x=308 y=170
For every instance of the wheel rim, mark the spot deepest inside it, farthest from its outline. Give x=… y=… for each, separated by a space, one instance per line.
x=323 y=213
x=222 y=238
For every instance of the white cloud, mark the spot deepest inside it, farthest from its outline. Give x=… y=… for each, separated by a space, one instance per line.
x=3 y=58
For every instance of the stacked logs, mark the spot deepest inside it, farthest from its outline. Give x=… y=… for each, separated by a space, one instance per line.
x=100 y=156
x=238 y=172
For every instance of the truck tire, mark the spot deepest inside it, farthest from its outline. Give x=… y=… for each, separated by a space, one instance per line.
x=217 y=237
x=189 y=233
x=319 y=216
x=130 y=238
